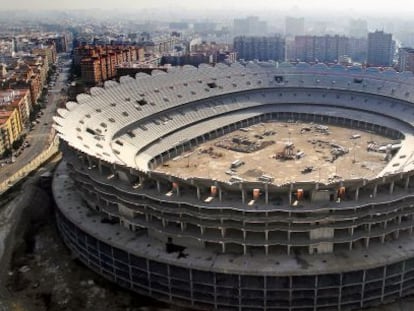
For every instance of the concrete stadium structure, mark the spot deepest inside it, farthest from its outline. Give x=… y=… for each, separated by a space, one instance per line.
x=196 y=242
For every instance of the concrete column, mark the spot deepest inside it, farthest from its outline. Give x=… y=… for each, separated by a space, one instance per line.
x=243 y=192
x=357 y=194
x=374 y=193
x=100 y=166
x=89 y=161
x=366 y=242
x=163 y=223
x=223 y=232
x=396 y=234
x=202 y=230
x=267 y=249
x=223 y=247
x=407 y=182
x=290 y=194
x=244 y=235
x=220 y=194
x=244 y=249
x=266 y=235
x=198 y=192
x=178 y=190
x=158 y=186
x=392 y=187
x=266 y=193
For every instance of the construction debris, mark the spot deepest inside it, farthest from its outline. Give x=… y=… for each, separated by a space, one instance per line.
x=307 y=169
x=242 y=143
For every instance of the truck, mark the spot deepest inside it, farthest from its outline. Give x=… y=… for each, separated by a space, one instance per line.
x=236 y=164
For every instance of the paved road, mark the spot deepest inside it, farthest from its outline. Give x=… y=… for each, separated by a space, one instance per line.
x=40 y=137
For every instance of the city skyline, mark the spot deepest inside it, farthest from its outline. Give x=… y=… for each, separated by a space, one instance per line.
x=300 y=6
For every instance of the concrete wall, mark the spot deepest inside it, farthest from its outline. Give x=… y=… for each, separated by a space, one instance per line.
x=208 y=290
x=31 y=166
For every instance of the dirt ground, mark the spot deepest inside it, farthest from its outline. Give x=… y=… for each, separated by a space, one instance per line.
x=313 y=145
x=44 y=277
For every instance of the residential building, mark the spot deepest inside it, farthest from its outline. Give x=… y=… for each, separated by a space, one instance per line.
x=91 y=70
x=320 y=48
x=260 y=48
x=24 y=77
x=17 y=99
x=10 y=128
x=98 y=63
x=7 y=47
x=380 y=49
x=357 y=49
x=406 y=59
x=47 y=51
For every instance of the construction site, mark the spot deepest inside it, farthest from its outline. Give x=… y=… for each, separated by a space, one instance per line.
x=282 y=152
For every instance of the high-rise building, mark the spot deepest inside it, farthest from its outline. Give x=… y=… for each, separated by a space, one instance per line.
x=357 y=49
x=320 y=48
x=261 y=48
x=294 y=26
x=380 y=49
x=406 y=59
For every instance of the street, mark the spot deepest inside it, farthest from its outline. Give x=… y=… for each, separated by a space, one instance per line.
x=41 y=135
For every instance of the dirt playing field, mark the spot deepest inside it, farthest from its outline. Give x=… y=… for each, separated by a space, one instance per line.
x=286 y=152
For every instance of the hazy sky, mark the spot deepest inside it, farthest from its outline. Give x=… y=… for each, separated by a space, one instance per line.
x=359 y=6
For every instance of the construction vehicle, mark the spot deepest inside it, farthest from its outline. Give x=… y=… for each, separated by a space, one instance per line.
x=287 y=153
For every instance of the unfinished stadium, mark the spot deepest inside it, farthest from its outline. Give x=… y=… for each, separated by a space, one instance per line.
x=256 y=186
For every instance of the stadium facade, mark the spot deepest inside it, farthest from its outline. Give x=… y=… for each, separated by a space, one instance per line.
x=196 y=242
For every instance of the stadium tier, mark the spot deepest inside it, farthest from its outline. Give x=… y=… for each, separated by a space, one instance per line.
x=227 y=241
